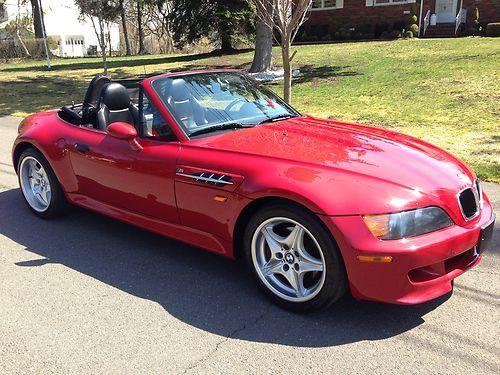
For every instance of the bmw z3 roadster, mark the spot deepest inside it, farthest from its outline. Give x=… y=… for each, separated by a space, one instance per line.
x=315 y=208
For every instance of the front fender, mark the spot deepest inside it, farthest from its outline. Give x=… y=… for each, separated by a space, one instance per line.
x=332 y=192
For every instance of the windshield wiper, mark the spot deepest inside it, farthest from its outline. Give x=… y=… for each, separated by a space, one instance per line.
x=226 y=126
x=276 y=118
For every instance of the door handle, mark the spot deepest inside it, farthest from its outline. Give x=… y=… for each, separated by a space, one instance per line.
x=81 y=147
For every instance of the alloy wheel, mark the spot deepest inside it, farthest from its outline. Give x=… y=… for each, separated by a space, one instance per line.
x=35 y=184
x=288 y=259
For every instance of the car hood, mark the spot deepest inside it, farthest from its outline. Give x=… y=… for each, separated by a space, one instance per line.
x=361 y=149
x=361 y=155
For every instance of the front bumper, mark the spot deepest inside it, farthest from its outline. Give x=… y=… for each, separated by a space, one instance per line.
x=422 y=267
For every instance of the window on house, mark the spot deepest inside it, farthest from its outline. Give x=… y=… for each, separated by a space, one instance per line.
x=324 y=4
x=381 y=2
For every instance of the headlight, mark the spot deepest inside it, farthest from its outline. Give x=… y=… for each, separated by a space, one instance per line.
x=407 y=223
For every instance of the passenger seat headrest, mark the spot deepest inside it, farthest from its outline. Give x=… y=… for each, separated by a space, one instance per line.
x=178 y=91
x=115 y=96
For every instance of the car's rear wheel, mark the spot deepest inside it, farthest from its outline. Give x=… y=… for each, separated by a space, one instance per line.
x=39 y=185
x=294 y=259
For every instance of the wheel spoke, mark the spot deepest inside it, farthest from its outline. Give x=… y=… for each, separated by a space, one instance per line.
x=37 y=168
x=32 y=172
x=305 y=256
x=296 y=237
x=296 y=281
x=271 y=267
x=306 y=265
x=43 y=196
x=272 y=240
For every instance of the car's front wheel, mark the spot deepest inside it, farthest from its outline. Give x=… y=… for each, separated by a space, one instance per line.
x=39 y=185
x=294 y=259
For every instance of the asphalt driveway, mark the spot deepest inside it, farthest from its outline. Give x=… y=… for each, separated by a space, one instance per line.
x=87 y=294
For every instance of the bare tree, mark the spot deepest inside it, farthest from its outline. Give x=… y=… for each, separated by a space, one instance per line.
x=140 y=27
x=18 y=33
x=286 y=17
x=103 y=12
x=101 y=37
x=37 y=19
x=263 y=55
x=123 y=16
x=157 y=23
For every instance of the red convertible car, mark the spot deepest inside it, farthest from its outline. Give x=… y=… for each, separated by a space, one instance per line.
x=314 y=207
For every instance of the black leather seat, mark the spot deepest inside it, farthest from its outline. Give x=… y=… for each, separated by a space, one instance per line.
x=115 y=106
x=187 y=108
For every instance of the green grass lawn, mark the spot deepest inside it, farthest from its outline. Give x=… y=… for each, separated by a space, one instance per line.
x=446 y=91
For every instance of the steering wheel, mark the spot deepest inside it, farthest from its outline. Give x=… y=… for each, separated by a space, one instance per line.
x=233 y=103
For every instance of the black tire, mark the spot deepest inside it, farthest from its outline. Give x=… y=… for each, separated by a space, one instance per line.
x=58 y=204
x=334 y=285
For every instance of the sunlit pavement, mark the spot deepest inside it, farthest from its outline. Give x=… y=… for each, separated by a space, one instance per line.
x=87 y=294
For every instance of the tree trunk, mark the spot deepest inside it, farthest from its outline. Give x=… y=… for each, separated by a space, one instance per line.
x=140 y=29
x=18 y=34
x=225 y=41
x=37 y=21
x=108 y=42
x=287 y=67
x=225 y=35
x=263 y=57
x=128 y=50
x=102 y=42
x=101 y=39
x=168 y=39
x=21 y=42
x=103 y=51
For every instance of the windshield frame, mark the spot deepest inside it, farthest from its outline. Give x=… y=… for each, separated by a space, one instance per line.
x=245 y=77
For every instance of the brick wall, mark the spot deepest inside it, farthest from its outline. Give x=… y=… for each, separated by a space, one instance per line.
x=356 y=13
x=489 y=10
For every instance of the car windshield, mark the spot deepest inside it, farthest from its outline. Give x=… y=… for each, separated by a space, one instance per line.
x=205 y=102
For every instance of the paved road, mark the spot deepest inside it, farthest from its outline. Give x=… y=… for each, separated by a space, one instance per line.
x=87 y=294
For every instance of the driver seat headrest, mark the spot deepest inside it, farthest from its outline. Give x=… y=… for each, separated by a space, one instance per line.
x=115 y=96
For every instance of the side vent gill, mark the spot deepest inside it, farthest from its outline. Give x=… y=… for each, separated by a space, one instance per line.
x=209 y=178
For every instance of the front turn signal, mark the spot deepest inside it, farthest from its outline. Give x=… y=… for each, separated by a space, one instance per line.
x=377 y=224
x=374 y=259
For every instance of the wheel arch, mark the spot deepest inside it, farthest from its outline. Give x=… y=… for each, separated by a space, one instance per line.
x=23 y=146
x=254 y=206
x=19 y=149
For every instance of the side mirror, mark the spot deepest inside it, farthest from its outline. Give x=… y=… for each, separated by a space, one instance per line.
x=125 y=131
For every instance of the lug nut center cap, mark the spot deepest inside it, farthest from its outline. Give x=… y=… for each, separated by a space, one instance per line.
x=289 y=258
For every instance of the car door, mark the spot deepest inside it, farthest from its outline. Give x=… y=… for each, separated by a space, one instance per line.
x=109 y=170
x=205 y=191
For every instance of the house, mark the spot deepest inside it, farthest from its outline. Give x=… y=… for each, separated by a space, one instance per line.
x=75 y=37
x=437 y=17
